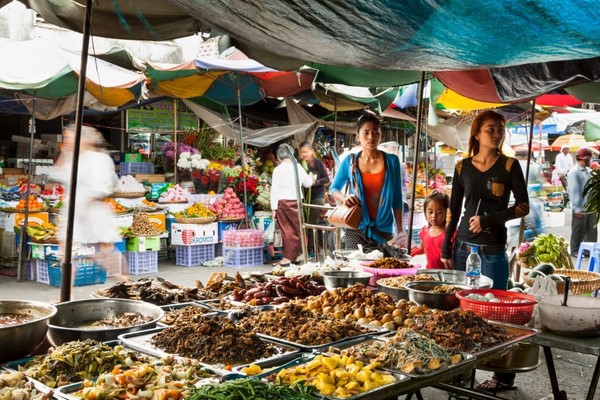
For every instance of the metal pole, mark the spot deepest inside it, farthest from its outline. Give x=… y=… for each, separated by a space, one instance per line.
x=335 y=121
x=175 y=139
x=23 y=230
x=415 y=158
x=67 y=266
x=239 y=99
x=522 y=226
x=299 y=200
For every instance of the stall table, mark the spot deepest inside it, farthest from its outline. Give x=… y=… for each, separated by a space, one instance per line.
x=549 y=340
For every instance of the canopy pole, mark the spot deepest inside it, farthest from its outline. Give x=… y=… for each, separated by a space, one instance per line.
x=416 y=157
x=299 y=201
x=335 y=121
x=67 y=266
x=529 y=150
x=239 y=101
x=23 y=229
x=175 y=146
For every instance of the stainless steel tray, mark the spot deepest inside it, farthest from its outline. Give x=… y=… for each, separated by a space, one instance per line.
x=179 y=306
x=518 y=332
x=142 y=341
x=467 y=359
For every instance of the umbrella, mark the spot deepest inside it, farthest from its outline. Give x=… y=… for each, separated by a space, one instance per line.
x=574 y=141
x=218 y=80
x=535 y=146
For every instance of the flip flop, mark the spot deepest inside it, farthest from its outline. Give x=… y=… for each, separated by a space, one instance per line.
x=493 y=385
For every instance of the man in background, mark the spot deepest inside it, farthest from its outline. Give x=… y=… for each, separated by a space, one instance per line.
x=563 y=163
x=583 y=225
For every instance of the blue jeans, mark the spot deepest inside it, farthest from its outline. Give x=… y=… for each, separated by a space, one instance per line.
x=494 y=266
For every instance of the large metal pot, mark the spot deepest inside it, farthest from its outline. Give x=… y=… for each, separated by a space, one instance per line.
x=68 y=323
x=19 y=340
x=455 y=276
x=421 y=293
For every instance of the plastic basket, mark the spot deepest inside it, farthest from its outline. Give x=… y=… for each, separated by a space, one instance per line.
x=163 y=253
x=219 y=250
x=132 y=168
x=86 y=273
x=144 y=262
x=504 y=311
x=224 y=226
x=41 y=271
x=246 y=238
x=194 y=256
x=242 y=256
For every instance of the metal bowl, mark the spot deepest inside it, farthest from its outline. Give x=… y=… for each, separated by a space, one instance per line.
x=19 y=340
x=455 y=276
x=581 y=316
x=69 y=322
x=342 y=279
x=420 y=293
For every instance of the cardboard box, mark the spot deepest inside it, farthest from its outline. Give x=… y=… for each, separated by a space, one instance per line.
x=159 y=221
x=35 y=219
x=12 y=171
x=150 y=178
x=137 y=244
x=192 y=234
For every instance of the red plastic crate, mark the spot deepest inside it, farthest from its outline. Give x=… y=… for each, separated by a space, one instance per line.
x=504 y=311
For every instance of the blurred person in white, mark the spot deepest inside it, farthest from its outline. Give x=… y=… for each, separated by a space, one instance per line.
x=563 y=164
x=284 y=204
x=583 y=225
x=96 y=178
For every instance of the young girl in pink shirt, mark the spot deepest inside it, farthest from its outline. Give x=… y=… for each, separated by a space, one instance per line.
x=432 y=235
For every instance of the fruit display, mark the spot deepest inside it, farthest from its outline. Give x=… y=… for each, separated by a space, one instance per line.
x=175 y=194
x=44 y=233
x=229 y=207
x=115 y=206
x=128 y=184
x=546 y=248
x=337 y=376
x=197 y=210
x=141 y=226
x=10 y=193
x=34 y=204
x=54 y=193
x=264 y=197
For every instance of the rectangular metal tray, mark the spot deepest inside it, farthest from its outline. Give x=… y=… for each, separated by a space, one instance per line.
x=518 y=332
x=175 y=307
x=142 y=341
x=467 y=359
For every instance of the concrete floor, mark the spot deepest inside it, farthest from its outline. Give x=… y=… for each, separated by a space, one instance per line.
x=574 y=370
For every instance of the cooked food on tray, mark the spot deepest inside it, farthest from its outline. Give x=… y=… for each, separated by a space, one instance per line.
x=16 y=386
x=399 y=281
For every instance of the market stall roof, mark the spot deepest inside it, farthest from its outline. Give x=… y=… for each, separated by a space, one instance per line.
x=419 y=35
x=37 y=68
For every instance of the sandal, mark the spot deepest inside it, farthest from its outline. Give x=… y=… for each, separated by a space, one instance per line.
x=494 y=385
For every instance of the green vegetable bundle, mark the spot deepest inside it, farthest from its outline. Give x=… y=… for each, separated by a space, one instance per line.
x=250 y=389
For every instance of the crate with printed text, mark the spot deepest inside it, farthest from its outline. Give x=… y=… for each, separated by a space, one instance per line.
x=192 y=234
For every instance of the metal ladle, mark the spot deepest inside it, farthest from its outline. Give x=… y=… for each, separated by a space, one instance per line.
x=566 y=295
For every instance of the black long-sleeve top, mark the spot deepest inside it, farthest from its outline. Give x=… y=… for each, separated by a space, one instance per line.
x=490 y=190
x=318 y=168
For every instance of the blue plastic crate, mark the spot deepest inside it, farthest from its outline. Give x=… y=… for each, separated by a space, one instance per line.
x=226 y=226
x=195 y=255
x=242 y=256
x=143 y=262
x=132 y=168
x=86 y=273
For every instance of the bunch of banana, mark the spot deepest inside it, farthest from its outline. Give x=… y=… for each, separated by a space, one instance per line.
x=42 y=233
x=553 y=250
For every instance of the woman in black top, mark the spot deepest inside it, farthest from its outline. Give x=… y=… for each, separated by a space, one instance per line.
x=318 y=189
x=485 y=182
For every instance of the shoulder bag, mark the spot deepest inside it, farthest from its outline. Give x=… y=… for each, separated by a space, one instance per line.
x=343 y=216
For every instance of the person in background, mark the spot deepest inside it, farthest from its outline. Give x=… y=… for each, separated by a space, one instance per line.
x=284 y=204
x=555 y=180
x=583 y=225
x=317 y=191
x=432 y=236
x=485 y=181
x=563 y=163
x=379 y=185
x=96 y=178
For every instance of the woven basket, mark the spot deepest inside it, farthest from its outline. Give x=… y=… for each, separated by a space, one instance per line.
x=581 y=281
x=206 y=220
x=130 y=195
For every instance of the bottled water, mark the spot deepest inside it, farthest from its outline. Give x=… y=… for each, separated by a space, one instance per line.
x=473 y=268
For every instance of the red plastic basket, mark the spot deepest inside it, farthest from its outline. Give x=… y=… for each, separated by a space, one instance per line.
x=504 y=311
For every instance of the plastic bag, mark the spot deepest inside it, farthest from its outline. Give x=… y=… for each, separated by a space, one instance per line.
x=269 y=234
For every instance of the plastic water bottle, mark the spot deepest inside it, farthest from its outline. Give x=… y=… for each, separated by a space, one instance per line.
x=473 y=268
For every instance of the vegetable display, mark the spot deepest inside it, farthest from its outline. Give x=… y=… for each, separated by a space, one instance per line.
x=249 y=389
x=75 y=361
x=337 y=376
